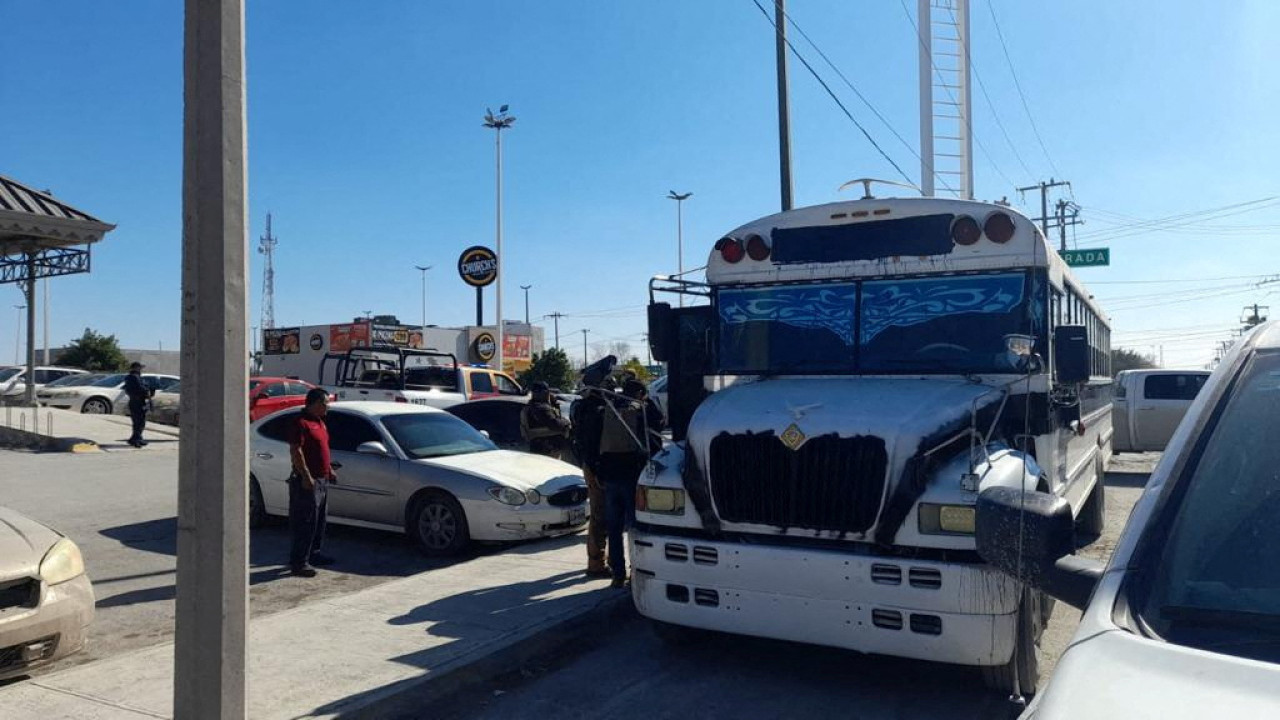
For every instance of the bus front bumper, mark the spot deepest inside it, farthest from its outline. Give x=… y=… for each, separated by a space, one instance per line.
x=945 y=612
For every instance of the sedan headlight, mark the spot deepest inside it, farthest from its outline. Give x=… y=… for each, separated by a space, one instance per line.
x=63 y=562
x=663 y=501
x=534 y=496
x=947 y=519
x=506 y=495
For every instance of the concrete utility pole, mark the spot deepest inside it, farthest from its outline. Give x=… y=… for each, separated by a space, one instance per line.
x=212 y=610
x=556 y=317
x=1044 y=187
x=784 y=105
x=525 y=288
x=584 y=346
x=424 y=269
x=679 y=198
x=1257 y=317
x=1060 y=212
x=499 y=122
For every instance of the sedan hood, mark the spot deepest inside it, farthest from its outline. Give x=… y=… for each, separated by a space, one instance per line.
x=1117 y=674
x=23 y=543
x=522 y=471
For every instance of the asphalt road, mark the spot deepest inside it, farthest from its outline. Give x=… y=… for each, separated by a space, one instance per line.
x=626 y=672
x=120 y=508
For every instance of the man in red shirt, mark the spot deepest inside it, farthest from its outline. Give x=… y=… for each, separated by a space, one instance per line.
x=308 y=484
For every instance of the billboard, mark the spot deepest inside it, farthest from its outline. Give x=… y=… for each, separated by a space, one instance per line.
x=281 y=341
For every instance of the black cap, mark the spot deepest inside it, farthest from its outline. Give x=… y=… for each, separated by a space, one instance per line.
x=136 y=366
x=539 y=388
x=633 y=388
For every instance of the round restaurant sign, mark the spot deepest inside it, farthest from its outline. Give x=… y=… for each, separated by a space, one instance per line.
x=478 y=266
x=486 y=347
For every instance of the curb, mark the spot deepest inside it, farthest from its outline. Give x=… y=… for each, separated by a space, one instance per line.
x=13 y=439
x=414 y=699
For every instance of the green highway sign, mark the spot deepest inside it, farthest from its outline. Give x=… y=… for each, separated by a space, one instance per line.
x=1093 y=257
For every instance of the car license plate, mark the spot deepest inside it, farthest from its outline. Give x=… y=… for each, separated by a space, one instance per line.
x=577 y=516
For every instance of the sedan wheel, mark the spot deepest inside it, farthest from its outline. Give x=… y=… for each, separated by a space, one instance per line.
x=438 y=525
x=96 y=406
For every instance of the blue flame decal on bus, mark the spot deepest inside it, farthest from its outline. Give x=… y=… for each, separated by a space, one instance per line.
x=829 y=307
x=901 y=303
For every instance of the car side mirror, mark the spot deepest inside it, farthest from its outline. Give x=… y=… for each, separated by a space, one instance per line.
x=373 y=447
x=1031 y=537
x=485 y=433
x=257 y=398
x=1071 y=354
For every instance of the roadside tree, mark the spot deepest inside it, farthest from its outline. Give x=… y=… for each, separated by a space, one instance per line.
x=1125 y=359
x=94 y=352
x=551 y=367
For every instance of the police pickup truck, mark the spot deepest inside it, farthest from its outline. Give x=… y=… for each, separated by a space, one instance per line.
x=421 y=377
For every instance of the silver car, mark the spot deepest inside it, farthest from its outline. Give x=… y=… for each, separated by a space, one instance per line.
x=419 y=470
x=46 y=601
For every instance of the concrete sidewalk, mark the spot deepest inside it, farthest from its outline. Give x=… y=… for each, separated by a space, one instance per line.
x=53 y=430
x=348 y=654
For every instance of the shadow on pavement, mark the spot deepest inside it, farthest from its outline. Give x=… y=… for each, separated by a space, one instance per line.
x=1127 y=479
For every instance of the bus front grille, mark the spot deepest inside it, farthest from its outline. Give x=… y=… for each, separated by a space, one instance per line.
x=828 y=483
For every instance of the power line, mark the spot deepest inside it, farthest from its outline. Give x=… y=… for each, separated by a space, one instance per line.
x=1177 y=280
x=854 y=88
x=1177 y=221
x=1025 y=106
x=967 y=120
x=834 y=97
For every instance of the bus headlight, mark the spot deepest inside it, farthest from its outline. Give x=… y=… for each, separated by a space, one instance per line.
x=663 y=501
x=946 y=519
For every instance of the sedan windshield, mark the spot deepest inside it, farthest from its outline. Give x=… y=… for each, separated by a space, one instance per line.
x=110 y=381
x=1215 y=583
x=76 y=380
x=429 y=435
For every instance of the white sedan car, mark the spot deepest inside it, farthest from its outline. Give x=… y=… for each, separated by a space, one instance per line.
x=46 y=601
x=104 y=397
x=419 y=470
x=1184 y=622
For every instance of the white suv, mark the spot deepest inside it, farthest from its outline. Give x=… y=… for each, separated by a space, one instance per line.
x=1184 y=622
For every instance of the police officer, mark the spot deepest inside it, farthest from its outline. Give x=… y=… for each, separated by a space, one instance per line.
x=624 y=450
x=542 y=425
x=588 y=415
x=139 y=394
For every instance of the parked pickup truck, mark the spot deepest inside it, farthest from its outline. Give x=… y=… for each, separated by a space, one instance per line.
x=421 y=377
x=1149 y=404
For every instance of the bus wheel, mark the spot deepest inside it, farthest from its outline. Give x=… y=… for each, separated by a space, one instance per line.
x=1093 y=515
x=1022 y=673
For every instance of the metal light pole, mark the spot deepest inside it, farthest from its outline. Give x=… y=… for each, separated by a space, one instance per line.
x=525 y=288
x=17 y=336
x=499 y=122
x=424 y=269
x=673 y=195
x=46 y=320
x=584 y=346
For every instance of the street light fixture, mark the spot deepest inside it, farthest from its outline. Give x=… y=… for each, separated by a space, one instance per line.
x=424 y=269
x=673 y=195
x=525 y=288
x=498 y=123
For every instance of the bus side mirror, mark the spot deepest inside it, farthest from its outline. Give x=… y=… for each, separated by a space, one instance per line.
x=662 y=330
x=1071 y=354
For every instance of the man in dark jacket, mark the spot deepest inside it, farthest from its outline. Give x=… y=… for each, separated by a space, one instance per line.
x=624 y=450
x=139 y=394
x=542 y=425
x=587 y=415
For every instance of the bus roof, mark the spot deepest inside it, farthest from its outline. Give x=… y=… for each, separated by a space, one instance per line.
x=876 y=237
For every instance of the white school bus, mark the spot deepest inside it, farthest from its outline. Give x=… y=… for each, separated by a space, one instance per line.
x=846 y=381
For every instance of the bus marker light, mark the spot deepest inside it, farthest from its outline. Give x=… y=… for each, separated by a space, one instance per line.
x=965 y=230
x=757 y=248
x=998 y=227
x=730 y=249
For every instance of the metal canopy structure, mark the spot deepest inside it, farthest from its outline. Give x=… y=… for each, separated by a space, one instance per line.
x=41 y=237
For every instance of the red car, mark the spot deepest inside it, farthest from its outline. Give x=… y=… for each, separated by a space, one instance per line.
x=269 y=394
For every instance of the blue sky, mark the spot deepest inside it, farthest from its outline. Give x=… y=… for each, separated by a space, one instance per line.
x=366 y=145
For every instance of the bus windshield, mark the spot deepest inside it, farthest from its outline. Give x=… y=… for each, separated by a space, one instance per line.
x=935 y=324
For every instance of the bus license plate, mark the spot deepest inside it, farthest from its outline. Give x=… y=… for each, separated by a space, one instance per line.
x=577 y=516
